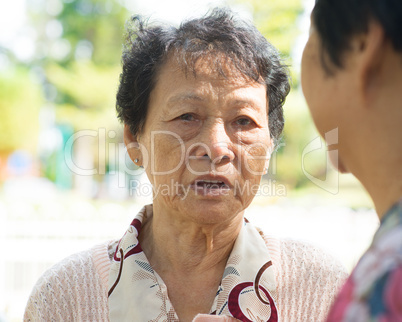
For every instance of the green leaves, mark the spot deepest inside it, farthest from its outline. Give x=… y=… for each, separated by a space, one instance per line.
x=20 y=101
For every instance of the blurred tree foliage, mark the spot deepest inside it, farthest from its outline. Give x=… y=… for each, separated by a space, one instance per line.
x=72 y=30
x=74 y=68
x=86 y=94
x=73 y=73
x=79 y=48
x=20 y=101
x=277 y=20
x=93 y=24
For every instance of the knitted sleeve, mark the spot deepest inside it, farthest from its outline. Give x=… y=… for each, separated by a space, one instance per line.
x=308 y=281
x=72 y=290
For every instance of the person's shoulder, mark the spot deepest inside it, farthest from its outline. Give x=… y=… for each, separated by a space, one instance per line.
x=304 y=259
x=81 y=262
x=102 y=256
x=310 y=256
x=70 y=285
x=68 y=267
x=308 y=278
x=92 y=262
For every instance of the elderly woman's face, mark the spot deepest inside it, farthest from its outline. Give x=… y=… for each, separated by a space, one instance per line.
x=206 y=142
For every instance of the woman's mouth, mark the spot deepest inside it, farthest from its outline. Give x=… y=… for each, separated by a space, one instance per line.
x=210 y=188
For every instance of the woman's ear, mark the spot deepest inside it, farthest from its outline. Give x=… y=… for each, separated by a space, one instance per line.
x=371 y=47
x=132 y=146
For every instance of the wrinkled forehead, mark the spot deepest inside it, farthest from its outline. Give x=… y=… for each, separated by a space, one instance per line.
x=213 y=65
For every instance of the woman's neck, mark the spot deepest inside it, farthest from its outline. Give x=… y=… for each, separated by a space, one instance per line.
x=183 y=246
x=188 y=256
x=384 y=194
x=380 y=172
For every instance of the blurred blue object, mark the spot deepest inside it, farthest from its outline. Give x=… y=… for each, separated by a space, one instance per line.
x=19 y=163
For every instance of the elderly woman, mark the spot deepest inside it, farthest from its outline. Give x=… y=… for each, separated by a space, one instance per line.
x=202 y=108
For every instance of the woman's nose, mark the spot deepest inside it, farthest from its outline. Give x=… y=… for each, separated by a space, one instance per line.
x=216 y=144
x=221 y=152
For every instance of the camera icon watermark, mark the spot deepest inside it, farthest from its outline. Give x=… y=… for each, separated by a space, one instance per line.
x=317 y=144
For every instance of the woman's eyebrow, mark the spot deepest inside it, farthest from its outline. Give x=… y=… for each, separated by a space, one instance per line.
x=250 y=103
x=184 y=97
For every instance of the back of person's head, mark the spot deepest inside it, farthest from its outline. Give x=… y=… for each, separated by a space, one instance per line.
x=337 y=21
x=219 y=36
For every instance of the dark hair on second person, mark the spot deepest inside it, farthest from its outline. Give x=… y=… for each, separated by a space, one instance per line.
x=336 y=21
x=218 y=35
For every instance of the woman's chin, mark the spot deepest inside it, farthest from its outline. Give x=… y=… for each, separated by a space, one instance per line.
x=343 y=170
x=337 y=163
x=207 y=211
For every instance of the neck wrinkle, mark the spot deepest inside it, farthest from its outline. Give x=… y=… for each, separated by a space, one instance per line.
x=187 y=248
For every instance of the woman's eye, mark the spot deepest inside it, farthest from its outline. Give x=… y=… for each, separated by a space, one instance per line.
x=187 y=117
x=244 y=121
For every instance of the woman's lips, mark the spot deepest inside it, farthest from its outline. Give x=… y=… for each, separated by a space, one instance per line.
x=210 y=188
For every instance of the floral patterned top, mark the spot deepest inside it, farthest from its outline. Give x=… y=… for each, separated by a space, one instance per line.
x=373 y=292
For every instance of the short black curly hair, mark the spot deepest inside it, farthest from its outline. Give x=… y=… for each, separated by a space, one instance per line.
x=219 y=35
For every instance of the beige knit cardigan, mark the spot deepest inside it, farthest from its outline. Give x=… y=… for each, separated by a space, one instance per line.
x=76 y=288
